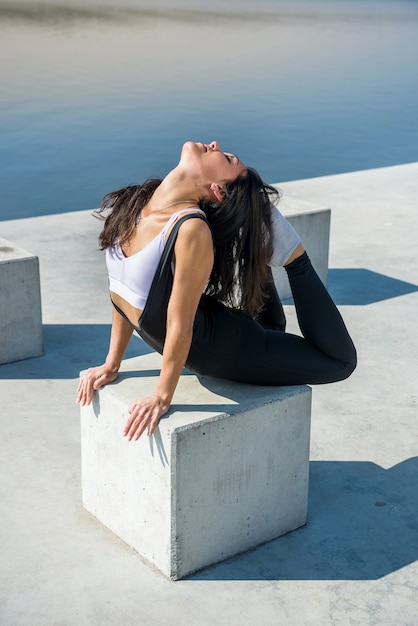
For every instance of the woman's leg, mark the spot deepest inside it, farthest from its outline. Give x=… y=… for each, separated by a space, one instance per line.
x=319 y=319
x=229 y=344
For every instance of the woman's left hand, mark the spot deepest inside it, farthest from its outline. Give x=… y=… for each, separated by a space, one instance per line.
x=144 y=413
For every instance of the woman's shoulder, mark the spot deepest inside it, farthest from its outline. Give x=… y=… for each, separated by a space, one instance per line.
x=192 y=211
x=189 y=224
x=195 y=226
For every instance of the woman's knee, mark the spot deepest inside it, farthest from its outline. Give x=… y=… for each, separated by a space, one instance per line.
x=350 y=365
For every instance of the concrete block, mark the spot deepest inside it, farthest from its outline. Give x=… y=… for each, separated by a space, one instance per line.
x=20 y=304
x=227 y=470
x=312 y=222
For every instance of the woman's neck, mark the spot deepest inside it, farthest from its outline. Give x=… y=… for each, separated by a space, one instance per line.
x=174 y=188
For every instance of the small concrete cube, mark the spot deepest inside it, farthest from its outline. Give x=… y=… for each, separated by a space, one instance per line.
x=312 y=223
x=20 y=304
x=225 y=471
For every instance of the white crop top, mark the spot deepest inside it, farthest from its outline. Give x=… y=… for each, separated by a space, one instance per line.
x=131 y=277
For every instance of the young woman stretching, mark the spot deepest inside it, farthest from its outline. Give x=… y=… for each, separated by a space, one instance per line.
x=224 y=316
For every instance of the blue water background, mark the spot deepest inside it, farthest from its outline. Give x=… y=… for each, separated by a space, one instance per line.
x=93 y=97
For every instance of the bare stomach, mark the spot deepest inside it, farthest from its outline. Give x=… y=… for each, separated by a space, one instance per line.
x=133 y=314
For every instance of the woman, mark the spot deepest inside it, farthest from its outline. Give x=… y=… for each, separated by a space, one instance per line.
x=236 y=329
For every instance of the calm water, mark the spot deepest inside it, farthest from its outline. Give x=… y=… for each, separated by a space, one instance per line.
x=96 y=98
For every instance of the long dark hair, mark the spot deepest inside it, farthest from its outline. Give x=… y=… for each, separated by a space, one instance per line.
x=241 y=228
x=125 y=207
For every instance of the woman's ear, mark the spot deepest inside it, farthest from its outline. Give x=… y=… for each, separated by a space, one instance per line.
x=217 y=192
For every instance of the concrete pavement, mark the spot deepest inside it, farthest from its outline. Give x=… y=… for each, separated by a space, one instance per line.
x=356 y=561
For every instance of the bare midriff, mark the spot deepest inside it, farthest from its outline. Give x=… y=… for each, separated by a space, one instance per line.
x=133 y=314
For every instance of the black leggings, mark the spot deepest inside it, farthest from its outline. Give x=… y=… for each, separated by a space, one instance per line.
x=229 y=344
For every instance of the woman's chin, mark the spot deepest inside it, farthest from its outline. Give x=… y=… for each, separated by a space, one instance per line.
x=189 y=151
x=189 y=145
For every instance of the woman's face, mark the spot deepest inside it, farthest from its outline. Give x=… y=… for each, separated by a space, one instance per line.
x=214 y=164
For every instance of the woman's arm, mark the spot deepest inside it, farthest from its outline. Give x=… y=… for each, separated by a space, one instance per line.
x=193 y=265
x=96 y=377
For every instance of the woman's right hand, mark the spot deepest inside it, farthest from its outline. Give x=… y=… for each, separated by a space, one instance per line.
x=93 y=379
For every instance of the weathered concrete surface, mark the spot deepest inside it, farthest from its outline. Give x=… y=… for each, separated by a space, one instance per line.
x=356 y=560
x=20 y=304
x=227 y=469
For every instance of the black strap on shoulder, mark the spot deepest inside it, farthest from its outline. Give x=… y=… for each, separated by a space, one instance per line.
x=153 y=321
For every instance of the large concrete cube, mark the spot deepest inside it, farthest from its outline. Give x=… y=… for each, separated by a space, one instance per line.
x=226 y=470
x=312 y=222
x=20 y=304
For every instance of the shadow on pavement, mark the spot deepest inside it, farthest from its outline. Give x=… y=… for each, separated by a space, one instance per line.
x=68 y=349
x=358 y=286
x=363 y=525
